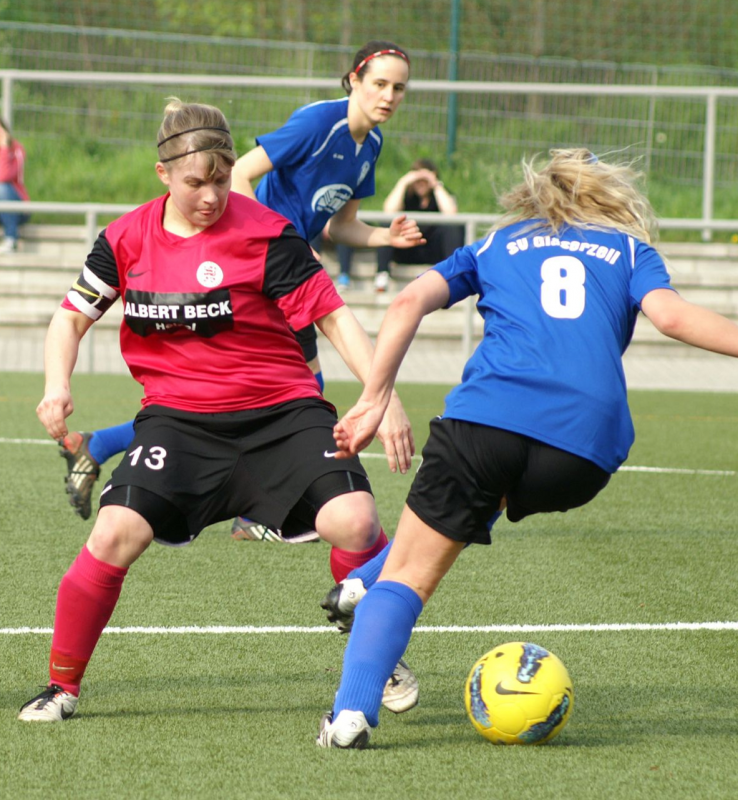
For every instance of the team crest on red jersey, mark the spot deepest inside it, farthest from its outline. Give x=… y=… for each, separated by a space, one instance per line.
x=209 y=274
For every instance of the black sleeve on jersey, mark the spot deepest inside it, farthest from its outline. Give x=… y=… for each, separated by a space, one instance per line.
x=101 y=262
x=289 y=263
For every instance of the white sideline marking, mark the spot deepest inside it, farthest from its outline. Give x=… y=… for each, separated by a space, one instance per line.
x=554 y=628
x=661 y=470
x=672 y=470
x=3 y=440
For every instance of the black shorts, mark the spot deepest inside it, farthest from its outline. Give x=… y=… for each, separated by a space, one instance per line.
x=185 y=471
x=307 y=338
x=467 y=469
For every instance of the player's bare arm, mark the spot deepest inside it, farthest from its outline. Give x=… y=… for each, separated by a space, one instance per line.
x=355 y=348
x=679 y=319
x=426 y=294
x=248 y=168
x=60 y=355
x=346 y=228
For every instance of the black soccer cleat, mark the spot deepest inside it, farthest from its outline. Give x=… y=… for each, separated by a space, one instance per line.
x=82 y=471
x=341 y=601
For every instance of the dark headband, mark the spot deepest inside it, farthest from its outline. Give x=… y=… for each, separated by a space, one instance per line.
x=187 y=153
x=190 y=130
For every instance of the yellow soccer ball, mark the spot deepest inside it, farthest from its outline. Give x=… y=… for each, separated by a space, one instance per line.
x=519 y=693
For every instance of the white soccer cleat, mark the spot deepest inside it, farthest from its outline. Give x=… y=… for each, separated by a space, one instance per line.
x=54 y=704
x=349 y=731
x=401 y=690
x=244 y=529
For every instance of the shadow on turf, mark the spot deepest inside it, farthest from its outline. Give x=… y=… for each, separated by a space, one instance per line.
x=603 y=717
x=153 y=692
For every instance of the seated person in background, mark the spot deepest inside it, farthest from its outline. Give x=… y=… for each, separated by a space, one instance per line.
x=417 y=190
x=12 y=161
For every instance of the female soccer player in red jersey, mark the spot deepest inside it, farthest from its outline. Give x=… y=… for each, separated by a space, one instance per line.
x=232 y=420
x=314 y=170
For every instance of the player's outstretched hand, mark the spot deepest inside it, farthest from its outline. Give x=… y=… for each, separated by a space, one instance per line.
x=53 y=411
x=396 y=436
x=357 y=428
x=405 y=233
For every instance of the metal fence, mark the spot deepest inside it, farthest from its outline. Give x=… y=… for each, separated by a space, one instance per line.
x=552 y=42
x=686 y=132
x=79 y=47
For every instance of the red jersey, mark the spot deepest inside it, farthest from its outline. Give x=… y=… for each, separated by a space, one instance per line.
x=207 y=319
x=12 y=162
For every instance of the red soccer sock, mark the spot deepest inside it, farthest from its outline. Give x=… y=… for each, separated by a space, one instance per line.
x=87 y=596
x=343 y=561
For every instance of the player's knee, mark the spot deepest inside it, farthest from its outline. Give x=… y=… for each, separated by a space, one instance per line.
x=357 y=533
x=360 y=532
x=120 y=536
x=349 y=521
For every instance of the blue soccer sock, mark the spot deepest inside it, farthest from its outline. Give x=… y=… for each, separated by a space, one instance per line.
x=382 y=627
x=109 y=441
x=369 y=572
x=320 y=379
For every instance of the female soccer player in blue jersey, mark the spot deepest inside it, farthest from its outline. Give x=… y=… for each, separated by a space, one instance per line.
x=540 y=420
x=318 y=166
x=315 y=168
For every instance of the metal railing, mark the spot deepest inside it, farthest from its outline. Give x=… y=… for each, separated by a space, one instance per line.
x=473 y=223
x=93 y=211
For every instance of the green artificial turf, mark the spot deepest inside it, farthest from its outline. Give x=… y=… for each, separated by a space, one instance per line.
x=221 y=715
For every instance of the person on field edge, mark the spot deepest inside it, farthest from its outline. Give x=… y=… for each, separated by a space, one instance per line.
x=420 y=189
x=12 y=187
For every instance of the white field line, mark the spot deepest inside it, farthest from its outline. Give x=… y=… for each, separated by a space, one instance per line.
x=270 y=629
x=660 y=470
x=3 y=440
x=675 y=470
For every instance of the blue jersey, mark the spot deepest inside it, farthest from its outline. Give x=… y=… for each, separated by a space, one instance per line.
x=559 y=312
x=318 y=167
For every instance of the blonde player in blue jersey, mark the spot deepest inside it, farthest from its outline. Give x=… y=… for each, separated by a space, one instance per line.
x=540 y=419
